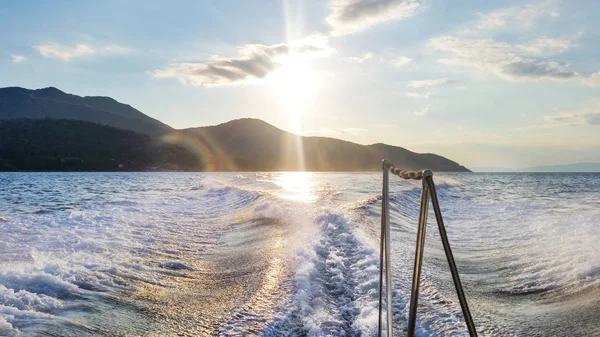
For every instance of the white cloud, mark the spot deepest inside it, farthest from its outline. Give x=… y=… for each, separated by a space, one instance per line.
x=513 y=61
x=428 y=83
x=116 y=49
x=351 y=16
x=67 y=53
x=423 y=111
x=545 y=46
x=417 y=95
x=361 y=59
x=592 y=80
x=517 y=16
x=17 y=58
x=502 y=59
x=587 y=117
x=401 y=61
x=63 y=52
x=252 y=63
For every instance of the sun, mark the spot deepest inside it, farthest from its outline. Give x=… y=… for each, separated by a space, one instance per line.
x=294 y=82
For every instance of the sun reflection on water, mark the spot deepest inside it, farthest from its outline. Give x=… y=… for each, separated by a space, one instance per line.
x=298 y=186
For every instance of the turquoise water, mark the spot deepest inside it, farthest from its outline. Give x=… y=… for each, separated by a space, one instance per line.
x=291 y=254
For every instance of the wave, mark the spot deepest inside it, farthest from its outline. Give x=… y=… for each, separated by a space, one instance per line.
x=100 y=254
x=29 y=294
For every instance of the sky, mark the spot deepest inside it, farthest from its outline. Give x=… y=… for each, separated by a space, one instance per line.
x=485 y=83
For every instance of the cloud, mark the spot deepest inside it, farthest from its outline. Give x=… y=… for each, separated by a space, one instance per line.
x=67 y=53
x=17 y=58
x=589 y=117
x=401 y=61
x=592 y=80
x=518 y=16
x=63 y=52
x=545 y=46
x=423 y=111
x=417 y=95
x=428 y=83
x=503 y=60
x=252 y=63
x=351 y=16
x=116 y=49
x=361 y=59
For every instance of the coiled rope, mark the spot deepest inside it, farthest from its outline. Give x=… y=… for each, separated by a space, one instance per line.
x=405 y=174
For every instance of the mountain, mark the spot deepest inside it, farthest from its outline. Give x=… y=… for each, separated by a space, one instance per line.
x=576 y=167
x=254 y=145
x=50 y=102
x=71 y=145
x=47 y=129
x=239 y=145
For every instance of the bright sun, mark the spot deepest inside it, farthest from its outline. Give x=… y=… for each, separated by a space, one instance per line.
x=294 y=82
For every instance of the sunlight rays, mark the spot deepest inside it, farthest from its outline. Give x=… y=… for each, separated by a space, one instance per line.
x=295 y=81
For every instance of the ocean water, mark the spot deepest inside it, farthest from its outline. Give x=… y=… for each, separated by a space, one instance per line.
x=292 y=254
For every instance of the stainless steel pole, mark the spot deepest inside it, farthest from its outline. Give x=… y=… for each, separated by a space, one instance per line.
x=384 y=252
x=388 y=267
x=382 y=245
x=455 y=277
x=414 y=295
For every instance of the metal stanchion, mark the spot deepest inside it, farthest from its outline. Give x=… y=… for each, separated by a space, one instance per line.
x=428 y=190
x=414 y=294
x=384 y=254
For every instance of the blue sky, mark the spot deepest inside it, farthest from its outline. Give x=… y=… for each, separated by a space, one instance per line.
x=485 y=83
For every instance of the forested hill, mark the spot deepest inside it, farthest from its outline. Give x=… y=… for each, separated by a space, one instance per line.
x=239 y=145
x=252 y=144
x=70 y=145
x=50 y=102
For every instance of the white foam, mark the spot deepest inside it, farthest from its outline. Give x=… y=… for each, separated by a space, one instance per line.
x=335 y=285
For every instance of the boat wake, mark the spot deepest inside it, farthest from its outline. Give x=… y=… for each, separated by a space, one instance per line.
x=289 y=254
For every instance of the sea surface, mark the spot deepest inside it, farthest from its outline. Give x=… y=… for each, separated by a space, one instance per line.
x=292 y=254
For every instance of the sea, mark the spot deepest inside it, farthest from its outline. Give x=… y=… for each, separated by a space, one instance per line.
x=293 y=254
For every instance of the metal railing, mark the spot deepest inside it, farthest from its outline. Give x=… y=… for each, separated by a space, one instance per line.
x=428 y=190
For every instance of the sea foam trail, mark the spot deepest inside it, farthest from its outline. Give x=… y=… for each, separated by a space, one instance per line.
x=336 y=287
